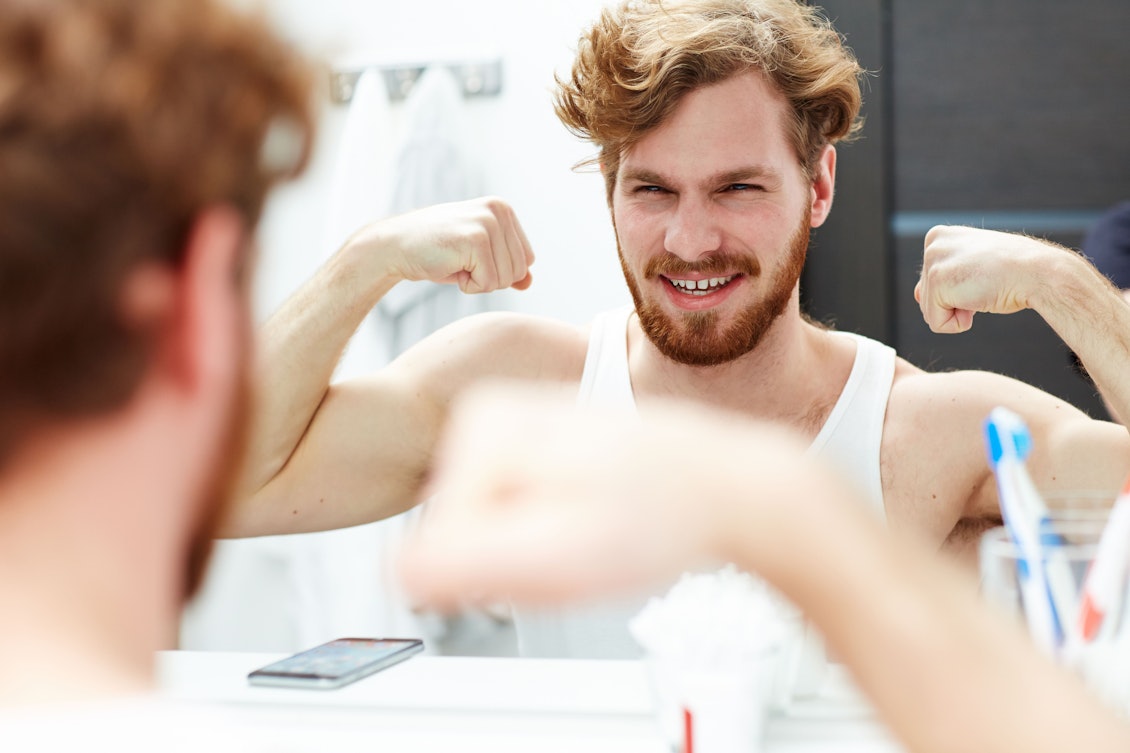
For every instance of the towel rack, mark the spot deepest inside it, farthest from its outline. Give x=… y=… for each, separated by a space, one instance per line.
x=476 y=78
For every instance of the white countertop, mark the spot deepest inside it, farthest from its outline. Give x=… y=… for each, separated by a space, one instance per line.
x=439 y=703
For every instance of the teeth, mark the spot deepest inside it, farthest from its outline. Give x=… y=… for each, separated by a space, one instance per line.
x=695 y=286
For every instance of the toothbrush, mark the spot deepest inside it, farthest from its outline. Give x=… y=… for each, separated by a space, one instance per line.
x=1046 y=583
x=1105 y=582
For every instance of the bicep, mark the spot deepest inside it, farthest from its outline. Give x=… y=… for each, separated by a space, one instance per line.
x=362 y=458
x=1082 y=455
x=1071 y=452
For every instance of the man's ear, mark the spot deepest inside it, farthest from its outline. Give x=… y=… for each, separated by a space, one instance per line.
x=205 y=332
x=823 y=186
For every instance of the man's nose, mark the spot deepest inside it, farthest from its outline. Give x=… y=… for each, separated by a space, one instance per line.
x=692 y=230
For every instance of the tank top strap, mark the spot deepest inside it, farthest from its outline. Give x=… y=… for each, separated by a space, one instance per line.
x=852 y=435
x=606 y=380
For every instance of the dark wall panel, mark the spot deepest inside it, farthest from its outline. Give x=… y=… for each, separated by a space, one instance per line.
x=1011 y=104
x=848 y=276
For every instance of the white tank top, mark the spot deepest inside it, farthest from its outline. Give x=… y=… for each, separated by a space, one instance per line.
x=850 y=439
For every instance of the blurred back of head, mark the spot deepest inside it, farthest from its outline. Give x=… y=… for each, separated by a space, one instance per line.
x=120 y=121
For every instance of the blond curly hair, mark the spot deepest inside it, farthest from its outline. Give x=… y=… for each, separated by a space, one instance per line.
x=641 y=57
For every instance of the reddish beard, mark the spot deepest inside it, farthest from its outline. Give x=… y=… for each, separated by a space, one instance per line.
x=696 y=338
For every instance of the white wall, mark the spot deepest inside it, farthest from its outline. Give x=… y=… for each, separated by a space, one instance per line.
x=525 y=152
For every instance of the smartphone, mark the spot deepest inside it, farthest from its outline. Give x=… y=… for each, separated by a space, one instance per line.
x=336 y=663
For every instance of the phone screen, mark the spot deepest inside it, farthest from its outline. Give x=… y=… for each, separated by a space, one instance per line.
x=337 y=663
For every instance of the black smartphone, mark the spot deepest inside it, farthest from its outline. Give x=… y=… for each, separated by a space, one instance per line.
x=336 y=663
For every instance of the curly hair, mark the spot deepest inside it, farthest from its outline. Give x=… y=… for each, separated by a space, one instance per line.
x=640 y=58
x=119 y=122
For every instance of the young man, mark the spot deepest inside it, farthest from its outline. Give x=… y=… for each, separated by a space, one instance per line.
x=716 y=123
x=137 y=144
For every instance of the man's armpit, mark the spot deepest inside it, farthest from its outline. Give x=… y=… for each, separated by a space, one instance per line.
x=961 y=545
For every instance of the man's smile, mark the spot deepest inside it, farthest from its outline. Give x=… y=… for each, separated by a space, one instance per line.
x=700 y=287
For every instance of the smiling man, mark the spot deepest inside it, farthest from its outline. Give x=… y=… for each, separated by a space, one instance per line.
x=715 y=124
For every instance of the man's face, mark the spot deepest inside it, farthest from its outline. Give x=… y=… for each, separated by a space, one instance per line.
x=712 y=219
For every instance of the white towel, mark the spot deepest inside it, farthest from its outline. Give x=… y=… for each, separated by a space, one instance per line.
x=434 y=165
x=360 y=191
x=345 y=581
x=359 y=194
x=433 y=159
x=340 y=580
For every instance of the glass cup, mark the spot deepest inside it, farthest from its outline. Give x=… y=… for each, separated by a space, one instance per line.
x=720 y=707
x=1051 y=610
x=1079 y=504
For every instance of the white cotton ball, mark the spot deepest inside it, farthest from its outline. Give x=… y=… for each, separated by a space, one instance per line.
x=712 y=618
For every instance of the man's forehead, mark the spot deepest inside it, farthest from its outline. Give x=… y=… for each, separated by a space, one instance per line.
x=738 y=123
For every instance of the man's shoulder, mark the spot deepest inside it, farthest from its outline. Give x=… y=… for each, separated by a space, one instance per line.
x=926 y=402
x=498 y=333
x=969 y=389
x=502 y=344
x=935 y=408
x=934 y=470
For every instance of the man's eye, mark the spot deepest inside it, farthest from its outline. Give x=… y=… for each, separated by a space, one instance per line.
x=649 y=189
x=743 y=187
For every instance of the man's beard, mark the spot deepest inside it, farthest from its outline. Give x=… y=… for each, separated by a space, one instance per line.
x=220 y=487
x=695 y=338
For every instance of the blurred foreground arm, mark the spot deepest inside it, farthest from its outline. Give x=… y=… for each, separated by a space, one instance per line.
x=542 y=504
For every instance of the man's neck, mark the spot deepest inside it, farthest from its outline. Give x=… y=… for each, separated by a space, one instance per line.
x=61 y=652
x=794 y=375
x=88 y=593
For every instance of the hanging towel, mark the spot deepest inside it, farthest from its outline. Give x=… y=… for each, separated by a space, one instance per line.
x=433 y=164
x=338 y=579
x=345 y=581
x=360 y=191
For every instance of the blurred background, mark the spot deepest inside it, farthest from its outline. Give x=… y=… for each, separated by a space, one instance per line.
x=1007 y=114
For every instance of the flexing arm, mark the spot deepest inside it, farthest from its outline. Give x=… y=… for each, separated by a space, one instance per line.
x=322 y=457
x=568 y=505
x=966 y=270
